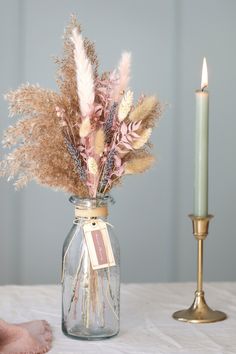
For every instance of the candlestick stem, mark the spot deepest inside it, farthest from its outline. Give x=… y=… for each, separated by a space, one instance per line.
x=200 y=265
x=200 y=312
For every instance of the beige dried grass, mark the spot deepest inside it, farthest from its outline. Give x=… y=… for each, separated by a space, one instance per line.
x=139 y=164
x=149 y=111
x=85 y=128
x=99 y=142
x=125 y=105
x=92 y=166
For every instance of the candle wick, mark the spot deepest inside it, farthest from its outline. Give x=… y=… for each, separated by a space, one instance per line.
x=204 y=87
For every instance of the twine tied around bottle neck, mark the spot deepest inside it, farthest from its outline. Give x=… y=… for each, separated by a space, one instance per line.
x=98 y=212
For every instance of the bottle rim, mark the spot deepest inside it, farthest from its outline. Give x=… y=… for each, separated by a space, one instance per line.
x=88 y=202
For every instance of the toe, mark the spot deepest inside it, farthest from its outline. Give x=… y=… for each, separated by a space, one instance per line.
x=47 y=326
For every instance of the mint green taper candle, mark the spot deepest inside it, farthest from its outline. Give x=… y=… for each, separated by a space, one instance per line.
x=201 y=147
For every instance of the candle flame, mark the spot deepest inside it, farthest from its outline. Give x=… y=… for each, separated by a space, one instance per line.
x=204 y=82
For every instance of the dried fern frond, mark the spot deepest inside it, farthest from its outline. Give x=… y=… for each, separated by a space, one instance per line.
x=143 y=138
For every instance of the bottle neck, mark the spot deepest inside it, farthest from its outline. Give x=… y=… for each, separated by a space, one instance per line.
x=91 y=212
x=90 y=208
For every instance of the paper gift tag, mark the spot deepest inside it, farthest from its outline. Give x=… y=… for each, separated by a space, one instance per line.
x=99 y=245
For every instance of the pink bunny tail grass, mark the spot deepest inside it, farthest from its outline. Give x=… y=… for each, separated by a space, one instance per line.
x=124 y=75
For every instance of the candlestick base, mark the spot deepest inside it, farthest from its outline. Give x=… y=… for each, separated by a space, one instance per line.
x=199 y=312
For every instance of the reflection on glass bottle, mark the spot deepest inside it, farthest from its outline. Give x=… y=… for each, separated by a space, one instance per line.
x=90 y=297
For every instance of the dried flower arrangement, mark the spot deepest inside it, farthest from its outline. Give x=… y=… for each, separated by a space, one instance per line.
x=85 y=138
x=82 y=140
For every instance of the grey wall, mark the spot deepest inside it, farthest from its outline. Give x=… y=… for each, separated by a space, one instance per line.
x=168 y=40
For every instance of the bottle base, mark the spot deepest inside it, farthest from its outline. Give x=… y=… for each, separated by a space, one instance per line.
x=79 y=333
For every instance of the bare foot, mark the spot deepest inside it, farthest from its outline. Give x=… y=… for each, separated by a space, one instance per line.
x=33 y=337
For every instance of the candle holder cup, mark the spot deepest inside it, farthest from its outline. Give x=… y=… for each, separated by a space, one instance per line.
x=199 y=311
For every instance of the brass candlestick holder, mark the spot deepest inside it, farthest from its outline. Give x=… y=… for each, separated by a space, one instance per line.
x=200 y=312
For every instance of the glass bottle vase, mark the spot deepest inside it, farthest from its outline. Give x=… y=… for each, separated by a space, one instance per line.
x=90 y=297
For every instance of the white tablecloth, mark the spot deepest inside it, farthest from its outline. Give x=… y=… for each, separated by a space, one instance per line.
x=146 y=322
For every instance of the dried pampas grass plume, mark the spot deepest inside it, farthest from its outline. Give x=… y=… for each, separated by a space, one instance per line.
x=84 y=74
x=66 y=72
x=21 y=182
x=125 y=105
x=139 y=165
x=99 y=142
x=142 y=140
x=31 y=99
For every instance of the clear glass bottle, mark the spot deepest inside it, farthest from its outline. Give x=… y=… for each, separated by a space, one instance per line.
x=90 y=298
